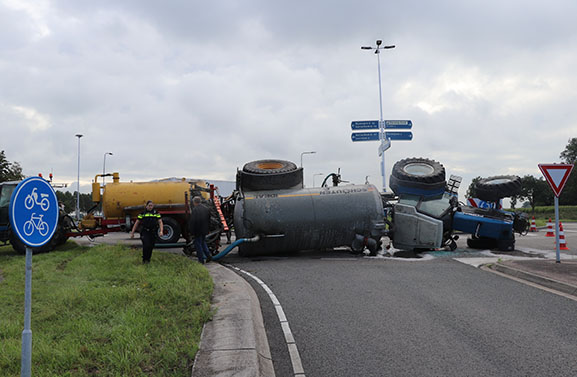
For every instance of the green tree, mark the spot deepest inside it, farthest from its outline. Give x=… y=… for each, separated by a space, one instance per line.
x=69 y=200
x=569 y=156
x=9 y=171
x=471 y=190
x=535 y=191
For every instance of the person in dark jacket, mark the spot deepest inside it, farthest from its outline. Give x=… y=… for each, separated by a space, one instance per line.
x=199 y=224
x=151 y=225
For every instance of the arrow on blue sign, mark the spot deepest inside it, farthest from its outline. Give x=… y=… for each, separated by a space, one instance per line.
x=399 y=135
x=365 y=136
x=398 y=124
x=365 y=125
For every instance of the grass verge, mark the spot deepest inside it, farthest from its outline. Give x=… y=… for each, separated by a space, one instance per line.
x=99 y=312
x=543 y=214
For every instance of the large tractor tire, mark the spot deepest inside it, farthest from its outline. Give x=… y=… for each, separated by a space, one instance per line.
x=171 y=229
x=494 y=188
x=418 y=176
x=269 y=175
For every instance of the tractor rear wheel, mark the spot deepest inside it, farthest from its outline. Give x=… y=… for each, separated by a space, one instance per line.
x=418 y=176
x=494 y=188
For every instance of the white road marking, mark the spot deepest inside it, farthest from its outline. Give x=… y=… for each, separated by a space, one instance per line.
x=289 y=338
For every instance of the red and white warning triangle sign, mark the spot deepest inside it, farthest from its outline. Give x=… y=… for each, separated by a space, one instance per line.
x=556 y=175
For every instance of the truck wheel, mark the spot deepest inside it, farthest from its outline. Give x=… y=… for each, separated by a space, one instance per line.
x=418 y=176
x=171 y=229
x=481 y=243
x=494 y=188
x=269 y=175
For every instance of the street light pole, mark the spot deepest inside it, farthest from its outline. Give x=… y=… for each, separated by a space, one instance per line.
x=104 y=166
x=378 y=49
x=78 y=187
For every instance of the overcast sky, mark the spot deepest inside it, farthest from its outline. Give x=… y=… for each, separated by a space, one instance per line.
x=196 y=89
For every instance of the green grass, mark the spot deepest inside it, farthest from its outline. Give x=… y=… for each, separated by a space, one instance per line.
x=543 y=214
x=100 y=312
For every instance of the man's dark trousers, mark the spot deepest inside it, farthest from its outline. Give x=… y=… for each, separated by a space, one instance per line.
x=202 y=252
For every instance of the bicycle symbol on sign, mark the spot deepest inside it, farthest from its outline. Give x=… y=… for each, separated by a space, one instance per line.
x=32 y=199
x=36 y=222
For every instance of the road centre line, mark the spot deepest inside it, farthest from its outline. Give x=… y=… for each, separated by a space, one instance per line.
x=289 y=338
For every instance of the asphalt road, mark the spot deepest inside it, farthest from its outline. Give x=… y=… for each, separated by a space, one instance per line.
x=435 y=316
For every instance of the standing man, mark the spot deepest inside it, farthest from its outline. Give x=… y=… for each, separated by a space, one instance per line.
x=151 y=222
x=199 y=223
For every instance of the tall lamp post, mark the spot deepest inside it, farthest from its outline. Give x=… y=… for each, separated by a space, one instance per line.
x=311 y=152
x=378 y=49
x=78 y=187
x=314 y=175
x=104 y=166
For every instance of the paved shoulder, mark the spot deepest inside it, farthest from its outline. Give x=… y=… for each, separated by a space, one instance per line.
x=558 y=276
x=234 y=342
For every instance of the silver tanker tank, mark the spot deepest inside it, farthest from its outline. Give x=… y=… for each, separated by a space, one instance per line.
x=308 y=218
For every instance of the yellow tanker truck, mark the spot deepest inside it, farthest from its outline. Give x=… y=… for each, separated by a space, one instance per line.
x=121 y=202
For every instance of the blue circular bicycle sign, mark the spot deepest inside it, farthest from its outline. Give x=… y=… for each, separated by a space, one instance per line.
x=34 y=211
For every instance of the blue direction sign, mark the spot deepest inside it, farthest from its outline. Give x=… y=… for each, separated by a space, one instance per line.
x=34 y=211
x=365 y=125
x=398 y=124
x=399 y=135
x=365 y=136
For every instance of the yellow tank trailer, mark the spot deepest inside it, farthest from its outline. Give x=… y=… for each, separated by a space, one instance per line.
x=123 y=201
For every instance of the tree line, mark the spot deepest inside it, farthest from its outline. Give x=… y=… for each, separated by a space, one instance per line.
x=536 y=191
x=12 y=171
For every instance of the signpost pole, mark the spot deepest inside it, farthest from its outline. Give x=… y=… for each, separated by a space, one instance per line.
x=381 y=123
x=26 y=365
x=558 y=260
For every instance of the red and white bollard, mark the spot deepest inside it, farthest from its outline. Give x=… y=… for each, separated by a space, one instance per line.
x=562 y=242
x=550 y=232
x=533 y=225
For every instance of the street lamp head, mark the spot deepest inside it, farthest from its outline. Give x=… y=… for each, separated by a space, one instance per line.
x=366 y=48
x=79 y=135
x=379 y=42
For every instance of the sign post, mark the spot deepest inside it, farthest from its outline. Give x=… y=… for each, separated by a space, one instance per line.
x=384 y=136
x=33 y=217
x=556 y=175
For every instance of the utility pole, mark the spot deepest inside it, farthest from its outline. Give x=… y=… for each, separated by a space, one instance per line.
x=78 y=187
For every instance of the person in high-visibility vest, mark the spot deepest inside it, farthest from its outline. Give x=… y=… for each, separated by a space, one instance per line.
x=151 y=226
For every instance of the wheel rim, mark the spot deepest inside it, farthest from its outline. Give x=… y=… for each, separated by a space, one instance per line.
x=168 y=232
x=270 y=165
x=418 y=169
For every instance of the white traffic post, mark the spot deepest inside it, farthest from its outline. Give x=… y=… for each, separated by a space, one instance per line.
x=557 y=251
